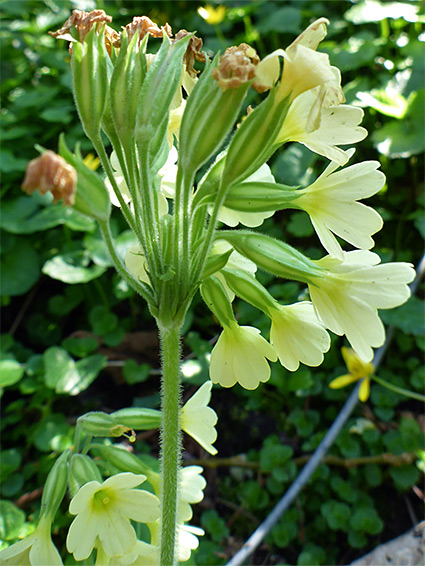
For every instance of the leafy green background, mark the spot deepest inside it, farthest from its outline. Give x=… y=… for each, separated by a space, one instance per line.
x=72 y=328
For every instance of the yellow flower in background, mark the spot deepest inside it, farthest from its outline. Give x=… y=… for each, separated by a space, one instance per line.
x=358 y=369
x=331 y=202
x=35 y=550
x=241 y=355
x=212 y=15
x=198 y=420
x=103 y=513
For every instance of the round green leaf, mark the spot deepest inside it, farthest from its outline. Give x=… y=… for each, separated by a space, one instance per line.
x=10 y=372
x=72 y=268
x=19 y=268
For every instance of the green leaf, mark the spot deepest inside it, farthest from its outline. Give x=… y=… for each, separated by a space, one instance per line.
x=10 y=164
x=11 y=372
x=19 y=268
x=214 y=525
x=300 y=225
x=135 y=373
x=81 y=347
x=102 y=320
x=275 y=455
x=62 y=115
x=23 y=216
x=337 y=514
x=404 y=477
x=57 y=364
x=85 y=372
x=53 y=433
x=283 y=20
x=367 y=520
x=12 y=520
x=72 y=268
x=10 y=460
x=409 y=317
x=403 y=138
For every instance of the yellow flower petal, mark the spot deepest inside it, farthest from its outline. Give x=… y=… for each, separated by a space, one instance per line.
x=343 y=380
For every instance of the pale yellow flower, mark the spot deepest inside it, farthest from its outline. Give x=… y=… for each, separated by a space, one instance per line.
x=136 y=264
x=103 y=513
x=339 y=125
x=331 y=202
x=297 y=335
x=142 y=554
x=167 y=173
x=37 y=549
x=240 y=355
x=192 y=485
x=187 y=540
x=347 y=297
x=304 y=69
x=198 y=420
x=358 y=369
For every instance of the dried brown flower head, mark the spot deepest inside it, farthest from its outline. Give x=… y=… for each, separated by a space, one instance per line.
x=143 y=25
x=50 y=172
x=83 y=22
x=193 y=51
x=236 y=67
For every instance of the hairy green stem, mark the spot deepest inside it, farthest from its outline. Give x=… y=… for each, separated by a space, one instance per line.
x=170 y=439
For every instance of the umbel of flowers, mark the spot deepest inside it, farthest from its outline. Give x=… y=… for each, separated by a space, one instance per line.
x=167 y=124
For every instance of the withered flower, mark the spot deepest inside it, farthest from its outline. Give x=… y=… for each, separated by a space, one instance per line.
x=83 y=22
x=50 y=172
x=144 y=25
x=193 y=52
x=236 y=67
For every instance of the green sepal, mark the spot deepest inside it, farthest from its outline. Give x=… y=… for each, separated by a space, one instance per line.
x=138 y=418
x=209 y=184
x=159 y=87
x=261 y=197
x=208 y=118
x=55 y=486
x=246 y=286
x=126 y=81
x=217 y=300
x=100 y=424
x=255 y=139
x=214 y=263
x=82 y=469
x=272 y=255
x=92 y=197
x=124 y=461
x=90 y=80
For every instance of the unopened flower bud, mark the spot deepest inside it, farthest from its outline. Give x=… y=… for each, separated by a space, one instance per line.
x=55 y=486
x=50 y=172
x=217 y=300
x=236 y=67
x=273 y=255
x=126 y=461
x=249 y=289
x=138 y=418
x=82 y=469
x=102 y=424
x=91 y=70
